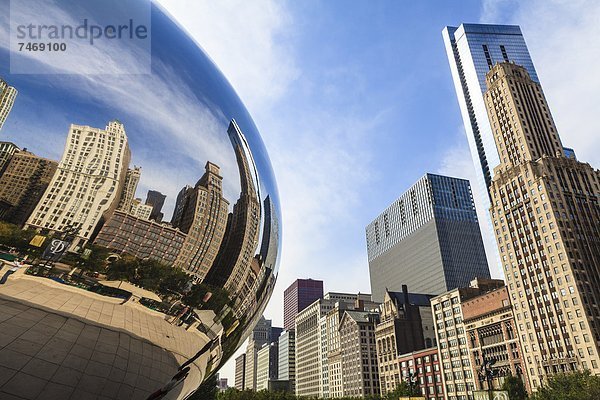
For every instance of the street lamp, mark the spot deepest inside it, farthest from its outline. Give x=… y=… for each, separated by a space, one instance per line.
x=488 y=373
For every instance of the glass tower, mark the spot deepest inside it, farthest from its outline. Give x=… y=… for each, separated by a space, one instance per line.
x=428 y=239
x=473 y=49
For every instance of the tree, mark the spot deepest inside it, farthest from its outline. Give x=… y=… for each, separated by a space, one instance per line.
x=403 y=389
x=515 y=388
x=572 y=386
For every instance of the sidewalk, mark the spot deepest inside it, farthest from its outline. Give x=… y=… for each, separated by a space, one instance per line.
x=62 y=342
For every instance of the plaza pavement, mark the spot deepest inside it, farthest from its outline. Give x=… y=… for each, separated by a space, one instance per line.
x=62 y=342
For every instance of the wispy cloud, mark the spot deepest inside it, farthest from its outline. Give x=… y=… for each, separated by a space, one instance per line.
x=248 y=42
x=320 y=151
x=184 y=128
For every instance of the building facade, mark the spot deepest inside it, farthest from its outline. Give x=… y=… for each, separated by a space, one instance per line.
x=406 y=325
x=493 y=340
x=88 y=182
x=143 y=238
x=313 y=336
x=22 y=185
x=263 y=333
x=203 y=218
x=7 y=149
x=140 y=210
x=297 y=297
x=546 y=217
x=458 y=375
x=132 y=178
x=266 y=365
x=287 y=359
x=7 y=100
x=472 y=50
x=240 y=372
x=422 y=369
x=360 y=373
x=156 y=199
x=428 y=239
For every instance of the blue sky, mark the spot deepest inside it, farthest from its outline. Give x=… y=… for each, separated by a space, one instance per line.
x=355 y=102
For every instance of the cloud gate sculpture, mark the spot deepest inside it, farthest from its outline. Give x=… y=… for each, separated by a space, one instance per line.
x=139 y=215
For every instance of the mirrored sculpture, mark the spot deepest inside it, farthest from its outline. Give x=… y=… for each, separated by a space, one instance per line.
x=139 y=215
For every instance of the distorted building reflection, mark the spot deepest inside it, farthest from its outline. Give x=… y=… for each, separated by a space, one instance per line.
x=88 y=182
x=133 y=263
x=234 y=268
x=202 y=216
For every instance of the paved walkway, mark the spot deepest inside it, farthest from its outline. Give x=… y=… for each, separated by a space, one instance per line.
x=62 y=342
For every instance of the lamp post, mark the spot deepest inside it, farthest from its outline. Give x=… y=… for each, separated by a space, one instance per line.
x=488 y=374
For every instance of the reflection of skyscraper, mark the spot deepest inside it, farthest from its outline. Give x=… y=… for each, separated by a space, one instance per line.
x=140 y=210
x=7 y=99
x=7 y=149
x=156 y=200
x=128 y=194
x=23 y=184
x=233 y=266
x=270 y=236
x=143 y=238
x=428 y=239
x=88 y=181
x=180 y=203
x=203 y=217
x=546 y=212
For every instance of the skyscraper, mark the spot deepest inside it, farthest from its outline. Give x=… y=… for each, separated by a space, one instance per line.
x=132 y=178
x=22 y=185
x=233 y=266
x=7 y=99
x=87 y=184
x=472 y=50
x=266 y=365
x=312 y=341
x=7 y=149
x=203 y=217
x=263 y=333
x=156 y=199
x=287 y=359
x=240 y=372
x=428 y=239
x=360 y=374
x=297 y=297
x=546 y=216
x=458 y=376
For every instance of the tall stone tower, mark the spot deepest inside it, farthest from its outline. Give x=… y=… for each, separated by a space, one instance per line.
x=546 y=218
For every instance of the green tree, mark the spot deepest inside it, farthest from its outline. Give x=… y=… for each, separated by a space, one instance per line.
x=403 y=389
x=572 y=386
x=96 y=260
x=515 y=388
x=13 y=236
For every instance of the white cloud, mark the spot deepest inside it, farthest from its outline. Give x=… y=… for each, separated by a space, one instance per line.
x=319 y=160
x=246 y=40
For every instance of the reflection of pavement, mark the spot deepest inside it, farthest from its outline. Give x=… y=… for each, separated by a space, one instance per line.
x=60 y=342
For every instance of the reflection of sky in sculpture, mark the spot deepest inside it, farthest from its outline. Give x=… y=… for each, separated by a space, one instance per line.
x=160 y=112
x=176 y=119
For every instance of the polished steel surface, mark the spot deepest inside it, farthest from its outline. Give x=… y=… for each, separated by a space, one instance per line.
x=139 y=217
